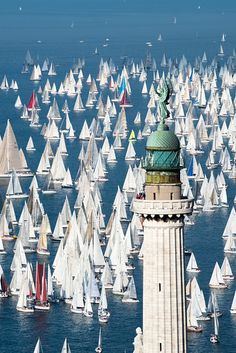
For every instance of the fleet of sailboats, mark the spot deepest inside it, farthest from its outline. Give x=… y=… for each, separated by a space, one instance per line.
x=93 y=257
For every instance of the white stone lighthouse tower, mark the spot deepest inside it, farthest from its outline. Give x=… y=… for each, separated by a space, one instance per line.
x=162 y=209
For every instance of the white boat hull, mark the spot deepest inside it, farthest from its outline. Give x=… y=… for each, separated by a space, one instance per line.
x=77 y=310
x=130 y=300
x=24 y=310
x=42 y=307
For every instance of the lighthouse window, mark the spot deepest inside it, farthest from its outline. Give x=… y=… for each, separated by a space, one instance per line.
x=171 y=195
x=160 y=347
x=154 y=196
x=159 y=287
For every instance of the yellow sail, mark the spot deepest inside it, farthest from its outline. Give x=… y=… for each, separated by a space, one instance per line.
x=132 y=136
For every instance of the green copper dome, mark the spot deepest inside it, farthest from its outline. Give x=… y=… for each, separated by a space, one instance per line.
x=163 y=139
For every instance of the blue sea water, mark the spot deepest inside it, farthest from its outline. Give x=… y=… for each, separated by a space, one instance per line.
x=128 y=25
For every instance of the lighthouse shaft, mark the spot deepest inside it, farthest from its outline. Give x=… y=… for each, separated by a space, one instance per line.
x=162 y=210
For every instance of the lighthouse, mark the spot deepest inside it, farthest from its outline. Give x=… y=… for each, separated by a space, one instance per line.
x=162 y=209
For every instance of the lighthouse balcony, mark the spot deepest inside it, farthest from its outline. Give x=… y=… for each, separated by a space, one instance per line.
x=162 y=207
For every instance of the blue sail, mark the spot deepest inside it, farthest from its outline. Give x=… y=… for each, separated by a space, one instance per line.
x=190 y=168
x=122 y=86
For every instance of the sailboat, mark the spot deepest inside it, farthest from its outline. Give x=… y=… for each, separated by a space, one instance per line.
x=124 y=101
x=226 y=270
x=230 y=245
x=33 y=102
x=192 y=324
x=223 y=38
x=98 y=349
x=14 y=190
x=213 y=303
x=88 y=310
x=38 y=347
x=49 y=185
x=18 y=103
x=137 y=119
x=2 y=250
x=221 y=52
x=41 y=288
x=67 y=182
x=130 y=153
x=214 y=336
x=132 y=136
x=77 y=303
x=217 y=280
x=130 y=295
x=30 y=145
x=66 y=347
x=42 y=246
x=192 y=264
x=25 y=298
x=233 y=306
x=103 y=313
x=4 y=290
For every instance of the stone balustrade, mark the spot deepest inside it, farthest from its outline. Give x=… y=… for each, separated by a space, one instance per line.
x=162 y=207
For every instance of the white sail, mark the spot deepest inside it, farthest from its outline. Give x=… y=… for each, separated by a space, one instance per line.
x=58 y=168
x=38 y=347
x=88 y=310
x=106 y=277
x=30 y=145
x=111 y=158
x=2 y=250
x=14 y=189
x=230 y=245
x=67 y=181
x=130 y=153
x=192 y=264
x=58 y=232
x=66 y=347
x=102 y=306
x=233 y=305
x=191 y=318
x=10 y=156
x=85 y=133
x=226 y=270
x=77 y=303
x=217 y=280
x=130 y=295
x=18 y=103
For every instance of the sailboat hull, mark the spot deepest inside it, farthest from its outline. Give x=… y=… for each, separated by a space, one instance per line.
x=130 y=300
x=77 y=310
x=98 y=349
x=42 y=307
x=214 y=339
x=25 y=310
x=43 y=252
x=4 y=295
x=194 y=329
x=17 y=196
x=87 y=314
x=48 y=192
x=221 y=286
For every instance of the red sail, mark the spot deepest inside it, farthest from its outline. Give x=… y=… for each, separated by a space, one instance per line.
x=123 y=100
x=39 y=275
x=32 y=102
x=44 y=286
x=4 y=284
